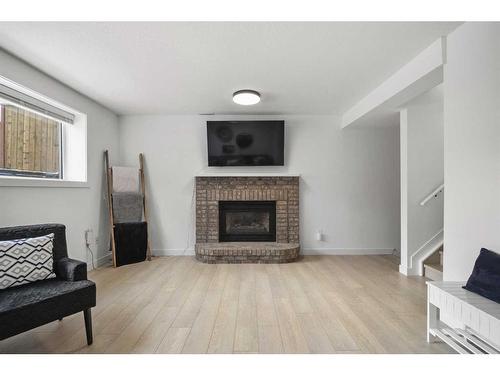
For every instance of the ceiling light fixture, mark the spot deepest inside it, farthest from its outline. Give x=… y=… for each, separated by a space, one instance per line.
x=246 y=97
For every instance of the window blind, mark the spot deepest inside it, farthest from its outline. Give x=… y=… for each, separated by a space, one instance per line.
x=36 y=105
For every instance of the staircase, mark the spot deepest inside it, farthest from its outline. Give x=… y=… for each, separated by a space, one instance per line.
x=433 y=265
x=427 y=252
x=430 y=256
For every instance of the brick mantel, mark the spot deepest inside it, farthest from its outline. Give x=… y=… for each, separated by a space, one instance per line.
x=212 y=189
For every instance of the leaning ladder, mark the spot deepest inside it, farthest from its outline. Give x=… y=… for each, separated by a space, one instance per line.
x=109 y=177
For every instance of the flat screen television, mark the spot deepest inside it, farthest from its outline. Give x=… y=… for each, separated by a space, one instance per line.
x=245 y=143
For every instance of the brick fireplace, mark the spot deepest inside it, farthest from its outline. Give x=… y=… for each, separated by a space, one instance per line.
x=247 y=219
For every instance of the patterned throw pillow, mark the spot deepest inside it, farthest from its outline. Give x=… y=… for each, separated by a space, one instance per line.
x=26 y=260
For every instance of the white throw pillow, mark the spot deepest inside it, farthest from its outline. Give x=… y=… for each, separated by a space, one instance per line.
x=26 y=260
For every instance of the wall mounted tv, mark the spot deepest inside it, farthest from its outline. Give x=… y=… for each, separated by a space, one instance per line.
x=245 y=143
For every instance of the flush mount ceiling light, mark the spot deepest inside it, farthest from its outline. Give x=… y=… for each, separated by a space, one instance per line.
x=246 y=97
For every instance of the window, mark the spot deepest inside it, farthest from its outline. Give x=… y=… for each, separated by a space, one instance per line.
x=30 y=143
x=42 y=142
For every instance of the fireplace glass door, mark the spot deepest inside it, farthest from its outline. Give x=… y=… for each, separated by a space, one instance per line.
x=247 y=221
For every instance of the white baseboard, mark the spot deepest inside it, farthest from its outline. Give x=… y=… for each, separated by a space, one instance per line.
x=403 y=270
x=103 y=260
x=334 y=251
x=320 y=251
x=172 y=252
x=408 y=271
x=99 y=262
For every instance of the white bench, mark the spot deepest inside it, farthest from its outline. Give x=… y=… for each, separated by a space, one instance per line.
x=478 y=317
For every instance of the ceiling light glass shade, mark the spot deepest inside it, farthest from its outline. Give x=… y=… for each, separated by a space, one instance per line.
x=246 y=97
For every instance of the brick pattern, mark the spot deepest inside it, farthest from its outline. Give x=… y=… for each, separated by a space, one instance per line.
x=247 y=252
x=283 y=190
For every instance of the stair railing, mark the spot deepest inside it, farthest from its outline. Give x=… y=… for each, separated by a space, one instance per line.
x=435 y=193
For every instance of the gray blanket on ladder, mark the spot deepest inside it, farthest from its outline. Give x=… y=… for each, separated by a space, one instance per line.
x=127 y=207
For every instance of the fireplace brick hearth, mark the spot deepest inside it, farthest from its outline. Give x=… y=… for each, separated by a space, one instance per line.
x=210 y=190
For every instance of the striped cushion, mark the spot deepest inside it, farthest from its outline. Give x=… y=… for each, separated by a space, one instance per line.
x=26 y=260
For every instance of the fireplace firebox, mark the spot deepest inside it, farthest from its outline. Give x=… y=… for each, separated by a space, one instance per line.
x=247 y=221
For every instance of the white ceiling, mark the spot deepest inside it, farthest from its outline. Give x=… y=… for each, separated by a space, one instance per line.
x=191 y=68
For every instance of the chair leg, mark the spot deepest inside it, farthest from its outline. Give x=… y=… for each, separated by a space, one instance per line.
x=88 y=325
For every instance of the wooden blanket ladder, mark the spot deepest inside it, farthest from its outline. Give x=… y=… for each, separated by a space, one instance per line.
x=142 y=183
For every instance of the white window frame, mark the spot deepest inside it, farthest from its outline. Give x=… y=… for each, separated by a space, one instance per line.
x=73 y=147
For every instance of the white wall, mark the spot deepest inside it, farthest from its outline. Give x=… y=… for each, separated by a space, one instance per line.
x=472 y=146
x=77 y=208
x=349 y=179
x=422 y=164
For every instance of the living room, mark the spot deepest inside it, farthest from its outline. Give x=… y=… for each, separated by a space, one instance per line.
x=249 y=187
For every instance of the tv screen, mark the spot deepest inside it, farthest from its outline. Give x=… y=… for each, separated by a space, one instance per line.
x=245 y=143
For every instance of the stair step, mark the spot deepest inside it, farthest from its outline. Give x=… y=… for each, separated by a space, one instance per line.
x=433 y=271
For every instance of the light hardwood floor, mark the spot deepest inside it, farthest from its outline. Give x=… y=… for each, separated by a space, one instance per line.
x=322 y=304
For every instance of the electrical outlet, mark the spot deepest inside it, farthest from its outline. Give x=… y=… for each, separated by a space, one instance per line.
x=89 y=237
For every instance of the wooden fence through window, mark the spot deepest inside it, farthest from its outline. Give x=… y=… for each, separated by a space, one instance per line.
x=28 y=141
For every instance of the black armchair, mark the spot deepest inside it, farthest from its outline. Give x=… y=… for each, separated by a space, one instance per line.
x=31 y=305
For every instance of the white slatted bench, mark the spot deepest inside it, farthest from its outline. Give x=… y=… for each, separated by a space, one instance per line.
x=479 y=318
